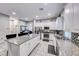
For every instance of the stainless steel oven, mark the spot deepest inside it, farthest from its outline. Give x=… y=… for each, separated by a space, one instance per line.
x=46 y=35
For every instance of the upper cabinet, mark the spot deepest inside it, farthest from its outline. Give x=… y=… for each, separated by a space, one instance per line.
x=68 y=17
x=71 y=17
x=47 y=23
x=75 y=22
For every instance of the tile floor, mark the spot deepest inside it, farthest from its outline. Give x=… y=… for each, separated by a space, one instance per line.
x=66 y=48
x=41 y=50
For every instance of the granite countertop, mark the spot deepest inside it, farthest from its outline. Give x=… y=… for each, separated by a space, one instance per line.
x=20 y=40
x=31 y=36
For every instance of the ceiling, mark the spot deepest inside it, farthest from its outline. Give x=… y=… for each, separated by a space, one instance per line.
x=30 y=11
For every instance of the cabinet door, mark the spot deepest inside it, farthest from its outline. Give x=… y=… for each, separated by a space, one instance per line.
x=13 y=50
x=75 y=22
x=24 y=49
x=33 y=42
x=71 y=18
x=68 y=17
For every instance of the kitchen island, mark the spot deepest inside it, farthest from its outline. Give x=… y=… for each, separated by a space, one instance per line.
x=23 y=45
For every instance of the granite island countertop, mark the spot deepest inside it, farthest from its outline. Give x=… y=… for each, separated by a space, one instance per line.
x=22 y=39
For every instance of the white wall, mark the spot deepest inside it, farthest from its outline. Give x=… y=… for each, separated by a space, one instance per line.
x=4 y=26
x=13 y=25
x=9 y=25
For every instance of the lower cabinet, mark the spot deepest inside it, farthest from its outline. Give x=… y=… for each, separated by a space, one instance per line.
x=32 y=44
x=24 y=49
x=3 y=48
x=3 y=52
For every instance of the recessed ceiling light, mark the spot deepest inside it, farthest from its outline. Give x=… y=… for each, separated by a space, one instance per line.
x=37 y=16
x=49 y=14
x=14 y=13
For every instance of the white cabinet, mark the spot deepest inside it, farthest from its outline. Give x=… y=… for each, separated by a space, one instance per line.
x=3 y=49
x=33 y=43
x=46 y=23
x=71 y=18
x=75 y=21
x=3 y=53
x=13 y=50
x=23 y=49
x=28 y=46
x=68 y=17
